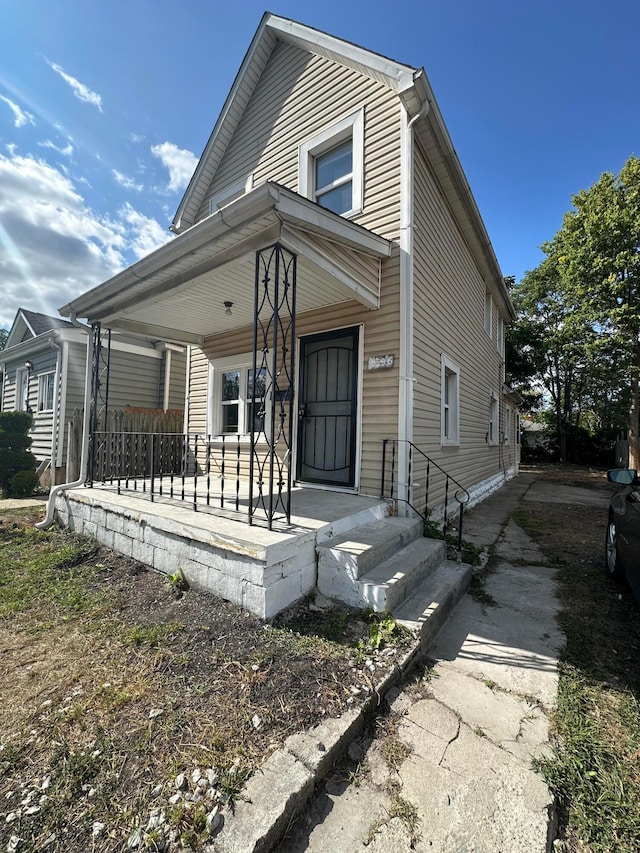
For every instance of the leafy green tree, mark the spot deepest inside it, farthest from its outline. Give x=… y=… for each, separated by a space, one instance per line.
x=4 y=334
x=598 y=259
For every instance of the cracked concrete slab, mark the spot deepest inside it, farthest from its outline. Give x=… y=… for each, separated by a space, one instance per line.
x=554 y=493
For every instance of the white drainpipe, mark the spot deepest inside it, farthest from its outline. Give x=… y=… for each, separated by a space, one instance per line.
x=47 y=521
x=56 y=411
x=405 y=401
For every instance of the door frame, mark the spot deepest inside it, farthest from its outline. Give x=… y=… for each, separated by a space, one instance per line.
x=358 y=419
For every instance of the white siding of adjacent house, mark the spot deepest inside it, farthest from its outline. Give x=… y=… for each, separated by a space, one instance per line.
x=449 y=320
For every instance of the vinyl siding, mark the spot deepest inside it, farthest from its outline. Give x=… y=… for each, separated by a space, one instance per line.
x=297 y=96
x=449 y=319
x=44 y=362
x=379 y=414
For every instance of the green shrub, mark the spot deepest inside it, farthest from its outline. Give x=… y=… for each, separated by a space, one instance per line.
x=14 y=455
x=23 y=484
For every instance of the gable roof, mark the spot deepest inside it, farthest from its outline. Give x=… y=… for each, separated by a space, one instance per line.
x=414 y=90
x=272 y=29
x=30 y=324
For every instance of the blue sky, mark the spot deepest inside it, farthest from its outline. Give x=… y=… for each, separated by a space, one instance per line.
x=105 y=108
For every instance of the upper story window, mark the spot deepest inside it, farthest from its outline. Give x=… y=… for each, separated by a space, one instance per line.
x=488 y=313
x=500 y=336
x=46 y=386
x=492 y=433
x=230 y=193
x=331 y=166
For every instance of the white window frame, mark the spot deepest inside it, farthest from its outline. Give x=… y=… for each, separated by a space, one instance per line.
x=500 y=336
x=242 y=363
x=42 y=401
x=517 y=429
x=449 y=408
x=506 y=433
x=494 y=418
x=22 y=385
x=488 y=313
x=229 y=194
x=349 y=127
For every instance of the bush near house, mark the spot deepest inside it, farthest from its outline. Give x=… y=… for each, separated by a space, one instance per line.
x=17 y=464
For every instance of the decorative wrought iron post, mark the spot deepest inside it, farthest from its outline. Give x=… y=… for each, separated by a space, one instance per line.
x=98 y=428
x=271 y=390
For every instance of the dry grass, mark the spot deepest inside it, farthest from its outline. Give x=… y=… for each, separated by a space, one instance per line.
x=113 y=683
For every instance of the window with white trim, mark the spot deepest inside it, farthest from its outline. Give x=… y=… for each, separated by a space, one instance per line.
x=331 y=166
x=506 y=434
x=231 y=193
x=518 y=428
x=450 y=402
x=46 y=388
x=488 y=313
x=500 y=335
x=22 y=389
x=239 y=408
x=492 y=433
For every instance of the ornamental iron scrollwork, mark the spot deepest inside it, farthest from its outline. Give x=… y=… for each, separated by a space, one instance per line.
x=271 y=385
x=99 y=404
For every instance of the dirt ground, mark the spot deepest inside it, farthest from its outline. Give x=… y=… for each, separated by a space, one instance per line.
x=114 y=682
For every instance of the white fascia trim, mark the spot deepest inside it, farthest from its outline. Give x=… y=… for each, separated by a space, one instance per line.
x=136 y=349
x=351 y=125
x=397 y=76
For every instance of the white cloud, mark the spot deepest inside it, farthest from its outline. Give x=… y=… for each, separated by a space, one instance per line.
x=67 y=151
x=136 y=137
x=180 y=163
x=124 y=181
x=20 y=116
x=53 y=246
x=82 y=92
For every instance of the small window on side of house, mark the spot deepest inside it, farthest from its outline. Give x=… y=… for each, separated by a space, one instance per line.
x=500 y=335
x=517 y=428
x=331 y=164
x=46 y=387
x=492 y=433
x=506 y=435
x=488 y=313
x=450 y=402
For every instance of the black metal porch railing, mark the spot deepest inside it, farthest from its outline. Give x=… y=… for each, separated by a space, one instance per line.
x=193 y=468
x=432 y=471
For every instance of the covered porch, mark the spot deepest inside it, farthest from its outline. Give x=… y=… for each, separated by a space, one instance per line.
x=244 y=275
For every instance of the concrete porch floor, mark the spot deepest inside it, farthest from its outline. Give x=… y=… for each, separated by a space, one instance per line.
x=217 y=550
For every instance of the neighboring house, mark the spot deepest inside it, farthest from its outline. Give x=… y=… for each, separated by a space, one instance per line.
x=44 y=365
x=338 y=290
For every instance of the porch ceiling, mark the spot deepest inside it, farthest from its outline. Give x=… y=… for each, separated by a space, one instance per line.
x=178 y=292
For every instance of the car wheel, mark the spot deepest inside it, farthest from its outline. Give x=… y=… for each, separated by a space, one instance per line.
x=612 y=560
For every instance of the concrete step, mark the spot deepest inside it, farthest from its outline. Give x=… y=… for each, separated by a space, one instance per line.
x=391 y=582
x=358 y=550
x=429 y=607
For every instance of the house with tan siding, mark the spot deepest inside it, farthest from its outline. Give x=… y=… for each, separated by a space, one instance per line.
x=43 y=369
x=345 y=316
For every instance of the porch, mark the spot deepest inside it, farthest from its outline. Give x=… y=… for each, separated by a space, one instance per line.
x=264 y=570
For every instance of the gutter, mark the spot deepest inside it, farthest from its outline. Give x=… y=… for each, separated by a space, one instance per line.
x=48 y=520
x=406 y=378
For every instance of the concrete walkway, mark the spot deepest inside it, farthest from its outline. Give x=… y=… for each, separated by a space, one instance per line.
x=467 y=732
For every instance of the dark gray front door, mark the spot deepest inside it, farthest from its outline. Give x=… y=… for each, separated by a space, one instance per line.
x=327 y=408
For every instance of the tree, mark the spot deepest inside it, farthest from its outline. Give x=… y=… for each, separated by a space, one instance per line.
x=4 y=334
x=598 y=259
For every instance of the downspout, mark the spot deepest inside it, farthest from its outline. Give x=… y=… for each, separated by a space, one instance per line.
x=56 y=411
x=47 y=521
x=167 y=379
x=187 y=392
x=406 y=378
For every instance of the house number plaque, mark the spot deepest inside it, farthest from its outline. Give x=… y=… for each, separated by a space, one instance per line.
x=380 y=362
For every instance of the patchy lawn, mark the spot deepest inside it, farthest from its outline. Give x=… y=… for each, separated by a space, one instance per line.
x=595 y=770
x=132 y=712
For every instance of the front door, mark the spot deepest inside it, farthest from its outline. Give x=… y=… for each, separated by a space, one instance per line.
x=327 y=413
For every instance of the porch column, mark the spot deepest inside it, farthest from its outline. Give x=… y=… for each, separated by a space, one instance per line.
x=271 y=391
x=101 y=362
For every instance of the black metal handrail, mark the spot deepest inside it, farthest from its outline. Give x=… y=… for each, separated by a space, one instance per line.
x=389 y=459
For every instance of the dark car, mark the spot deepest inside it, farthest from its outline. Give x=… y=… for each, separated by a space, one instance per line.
x=622 y=548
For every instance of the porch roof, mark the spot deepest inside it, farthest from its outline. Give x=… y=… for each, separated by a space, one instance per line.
x=178 y=291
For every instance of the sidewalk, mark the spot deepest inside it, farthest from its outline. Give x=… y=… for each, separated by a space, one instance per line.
x=468 y=729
